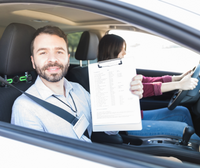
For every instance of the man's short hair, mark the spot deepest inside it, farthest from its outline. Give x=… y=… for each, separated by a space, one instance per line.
x=52 y=30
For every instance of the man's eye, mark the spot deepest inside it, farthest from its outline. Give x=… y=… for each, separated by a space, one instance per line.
x=42 y=53
x=60 y=52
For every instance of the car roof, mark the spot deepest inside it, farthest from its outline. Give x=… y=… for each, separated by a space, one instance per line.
x=67 y=18
x=96 y=16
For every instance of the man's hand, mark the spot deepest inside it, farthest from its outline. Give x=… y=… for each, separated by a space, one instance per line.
x=136 y=86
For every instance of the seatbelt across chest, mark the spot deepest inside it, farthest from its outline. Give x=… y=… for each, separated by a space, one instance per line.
x=54 y=109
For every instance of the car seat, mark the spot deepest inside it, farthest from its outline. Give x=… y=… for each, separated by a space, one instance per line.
x=15 y=65
x=86 y=50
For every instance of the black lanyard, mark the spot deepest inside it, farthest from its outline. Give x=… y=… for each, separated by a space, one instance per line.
x=67 y=104
x=75 y=120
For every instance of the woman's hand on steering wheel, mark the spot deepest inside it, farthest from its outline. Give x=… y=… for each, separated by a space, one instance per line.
x=188 y=89
x=176 y=78
x=187 y=82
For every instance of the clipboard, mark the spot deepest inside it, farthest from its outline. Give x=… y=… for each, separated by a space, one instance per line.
x=113 y=106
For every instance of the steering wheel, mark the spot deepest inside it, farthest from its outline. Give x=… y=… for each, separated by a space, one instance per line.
x=186 y=96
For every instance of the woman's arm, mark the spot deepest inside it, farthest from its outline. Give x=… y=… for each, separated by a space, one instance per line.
x=186 y=83
x=152 y=89
x=146 y=89
x=179 y=77
x=162 y=79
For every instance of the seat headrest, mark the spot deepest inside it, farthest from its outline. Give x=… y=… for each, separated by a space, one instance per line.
x=88 y=46
x=15 y=49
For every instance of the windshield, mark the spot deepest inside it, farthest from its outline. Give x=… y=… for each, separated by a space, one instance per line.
x=184 y=11
x=165 y=52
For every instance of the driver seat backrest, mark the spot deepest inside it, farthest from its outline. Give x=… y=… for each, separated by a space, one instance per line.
x=86 y=50
x=14 y=61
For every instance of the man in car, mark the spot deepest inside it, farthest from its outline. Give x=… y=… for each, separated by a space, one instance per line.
x=50 y=59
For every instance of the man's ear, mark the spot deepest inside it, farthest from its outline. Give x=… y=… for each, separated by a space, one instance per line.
x=68 y=55
x=32 y=60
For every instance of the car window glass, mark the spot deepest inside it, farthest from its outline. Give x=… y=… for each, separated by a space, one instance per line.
x=155 y=53
x=73 y=40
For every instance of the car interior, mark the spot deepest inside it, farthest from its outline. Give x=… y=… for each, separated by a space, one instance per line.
x=16 y=32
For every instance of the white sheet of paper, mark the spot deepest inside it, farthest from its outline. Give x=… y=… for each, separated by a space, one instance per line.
x=114 y=107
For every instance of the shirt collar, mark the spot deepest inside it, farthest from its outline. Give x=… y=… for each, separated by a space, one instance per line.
x=45 y=92
x=68 y=87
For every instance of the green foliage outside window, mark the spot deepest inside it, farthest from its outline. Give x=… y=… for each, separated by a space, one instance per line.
x=73 y=40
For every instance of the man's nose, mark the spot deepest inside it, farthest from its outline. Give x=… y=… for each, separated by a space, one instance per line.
x=52 y=57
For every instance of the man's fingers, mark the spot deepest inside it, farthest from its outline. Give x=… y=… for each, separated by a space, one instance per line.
x=138 y=77
x=136 y=82
x=136 y=87
x=138 y=93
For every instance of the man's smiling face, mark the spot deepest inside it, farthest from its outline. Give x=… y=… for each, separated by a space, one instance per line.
x=51 y=58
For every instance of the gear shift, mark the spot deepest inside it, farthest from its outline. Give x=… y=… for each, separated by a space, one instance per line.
x=187 y=133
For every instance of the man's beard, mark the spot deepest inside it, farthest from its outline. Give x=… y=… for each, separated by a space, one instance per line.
x=54 y=77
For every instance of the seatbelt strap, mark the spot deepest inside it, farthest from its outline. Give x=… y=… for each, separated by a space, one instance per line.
x=54 y=109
